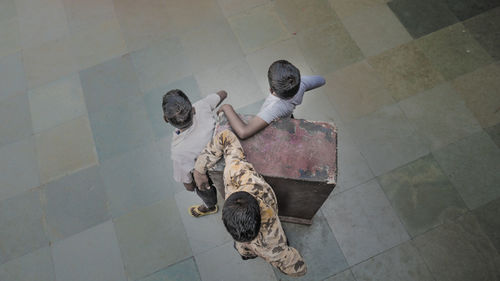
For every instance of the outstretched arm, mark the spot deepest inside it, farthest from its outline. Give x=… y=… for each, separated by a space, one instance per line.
x=223 y=95
x=242 y=129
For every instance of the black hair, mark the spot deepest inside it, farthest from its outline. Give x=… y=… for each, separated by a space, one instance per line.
x=284 y=79
x=241 y=216
x=177 y=109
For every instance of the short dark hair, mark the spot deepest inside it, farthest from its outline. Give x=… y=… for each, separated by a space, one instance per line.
x=177 y=109
x=241 y=216
x=284 y=79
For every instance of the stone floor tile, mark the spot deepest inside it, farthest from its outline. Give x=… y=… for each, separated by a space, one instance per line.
x=488 y=218
x=422 y=17
x=251 y=109
x=459 y=250
x=48 y=62
x=233 y=7
x=440 y=115
x=486 y=30
x=230 y=266
x=34 y=266
x=453 y=51
x=299 y=15
x=153 y=100
x=9 y=32
x=422 y=195
x=12 y=75
x=258 y=28
x=18 y=168
x=472 y=164
x=236 y=78
x=318 y=247
x=109 y=83
x=387 y=139
x=356 y=90
x=405 y=71
x=343 y=276
x=121 y=127
x=316 y=106
x=97 y=42
x=260 y=60
x=56 y=102
x=494 y=133
x=186 y=18
x=74 y=203
x=56 y=149
x=81 y=13
x=211 y=45
x=479 y=89
x=152 y=238
x=399 y=263
x=16 y=118
x=90 y=255
x=346 y=8
x=204 y=233
x=328 y=47
x=363 y=222
x=143 y=22
x=376 y=29
x=21 y=221
x=136 y=179
x=464 y=9
x=154 y=63
x=8 y=9
x=182 y=271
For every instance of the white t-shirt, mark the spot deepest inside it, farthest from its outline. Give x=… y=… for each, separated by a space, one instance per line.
x=187 y=145
x=275 y=108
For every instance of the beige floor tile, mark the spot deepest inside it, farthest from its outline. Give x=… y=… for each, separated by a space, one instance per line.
x=184 y=18
x=376 y=29
x=48 y=62
x=260 y=60
x=80 y=13
x=258 y=28
x=480 y=90
x=405 y=70
x=65 y=149
x=232 y=7
x=316 y=107
x=9 y=36
x=300 y=15
x=356 y=90
x=345 y=8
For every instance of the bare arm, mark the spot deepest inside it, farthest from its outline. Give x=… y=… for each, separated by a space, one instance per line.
x=240 y=128
x=189 y=186
x=223 y=95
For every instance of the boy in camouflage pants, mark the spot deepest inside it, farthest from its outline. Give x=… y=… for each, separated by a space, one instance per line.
x=250 y=212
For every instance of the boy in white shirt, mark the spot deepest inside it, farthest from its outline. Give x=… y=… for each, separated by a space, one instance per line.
x=195 y=124
x=287 y=90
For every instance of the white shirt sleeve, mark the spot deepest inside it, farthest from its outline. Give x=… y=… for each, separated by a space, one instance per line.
x=212 y=100
x=312 y=82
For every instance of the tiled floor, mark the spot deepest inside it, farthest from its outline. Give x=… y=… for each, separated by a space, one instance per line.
x=86 y=188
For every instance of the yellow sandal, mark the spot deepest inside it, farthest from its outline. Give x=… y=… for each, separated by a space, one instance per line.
x=194 y=211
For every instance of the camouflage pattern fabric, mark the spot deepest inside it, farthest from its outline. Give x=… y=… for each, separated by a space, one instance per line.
x=239 y=175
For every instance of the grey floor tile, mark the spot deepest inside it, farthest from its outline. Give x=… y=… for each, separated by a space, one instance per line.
x=459 y=250
x=464 y=9
x=35 y=266
x=345 y=8
x=9 y=32
x=363 y=222
x=251 y=109
x=18 y=168
x=21 y=221
x=230 y=266
x=136 y=179
x=422 y=17
x=489 y=220
x=299 y=16
x=399 y=263
x=453 y=51
x=154 y=98
x=121 y=127
x=75 y=203
x=387 y=139
x=494 y=133
x=440 y=114
x=422 y=195
x=81 y=13
x=233 y=7
x=343 y=276
x=182 y=271
x=318 y=247
x=151 y=238
x=16 y=118
x=109 y=83
x=472 y=164
x=8 y=9
x=486 y=28
x=90 y=255
x=12 y=75
x=204 y=233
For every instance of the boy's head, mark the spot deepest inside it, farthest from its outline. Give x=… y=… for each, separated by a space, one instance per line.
x=241 y=216
x=284 y=79
x=177 y=109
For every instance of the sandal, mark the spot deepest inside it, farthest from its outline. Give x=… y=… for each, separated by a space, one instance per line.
x=195 y=211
